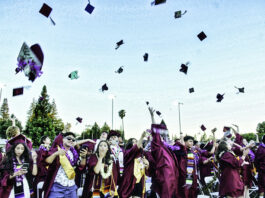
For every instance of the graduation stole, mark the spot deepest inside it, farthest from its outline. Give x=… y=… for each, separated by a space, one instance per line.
x=65 y=163
x=190 y=167
x=139 y=171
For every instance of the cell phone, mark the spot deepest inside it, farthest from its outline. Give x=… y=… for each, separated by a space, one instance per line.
x=25 y=166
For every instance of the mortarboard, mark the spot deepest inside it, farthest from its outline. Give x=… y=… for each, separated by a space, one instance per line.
x=184 y=68
x=119 y=44
x=46 y=11
x=219 y=97
x=19 y=139
x=226 y=129
x=147 y=103
x=240 y=90
x=145 y=57
x=89 y=8
x=120 y=70
x=203 y=128
x=113 y=133
x=159 y=128
x=73 y=75
x=191 y=90
x=178 y=14
x=202 y=36
x=18 y=91
x=30 y=60
x=79 y=119
x=158 y=113
x=104 y=88
x=157 y=2
x=208 y=146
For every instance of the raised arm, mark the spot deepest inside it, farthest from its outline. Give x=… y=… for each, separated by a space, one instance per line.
x=140 y=141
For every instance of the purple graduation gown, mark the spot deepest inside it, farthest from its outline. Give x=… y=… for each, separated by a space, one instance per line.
x=165 y=179
x=128 y=180
x=260 y=165
x=230 y=182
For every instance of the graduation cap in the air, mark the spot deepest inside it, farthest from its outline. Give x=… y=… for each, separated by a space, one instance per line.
x=203 y=128
x=120 y=70
x=46 y=11
x=220 y=97
x=89 y=8
x=104 y=88
x=179 y=13
x=119 y=44
x=20 y=90
x=184 y=68
x=202 y=36
x=158 y=113
x=191 y=90
x=147 y=103
x=227 y=132
x=73 y=75
x=79 y=119
x=30 y=61
x=240 y=90
x=146 y=57
x=157 y=2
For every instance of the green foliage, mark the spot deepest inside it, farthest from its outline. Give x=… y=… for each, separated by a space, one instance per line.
x=122 y=113
x=5 y=110
x=261 y=127
x=42 y=119
x=105 y=127
x=252 y=136
x=204 y=137
x=93 y=132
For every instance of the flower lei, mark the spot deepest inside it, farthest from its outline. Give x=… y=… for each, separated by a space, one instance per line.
x=16 y=169
x=43 y=147
x=109 y=171
x=75 y=154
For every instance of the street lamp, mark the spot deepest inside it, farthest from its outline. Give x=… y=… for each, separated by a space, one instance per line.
x=111 y=96
x=2 y=85
x=180 y=132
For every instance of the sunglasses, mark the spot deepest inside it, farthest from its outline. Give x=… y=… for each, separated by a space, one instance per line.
x=70 y=139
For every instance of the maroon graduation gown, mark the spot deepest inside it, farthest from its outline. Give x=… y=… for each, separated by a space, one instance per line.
x=128 y=180
x=260 y=165
x=230 y=182
x=205 y=169
x=95 y=179
x=165 y=179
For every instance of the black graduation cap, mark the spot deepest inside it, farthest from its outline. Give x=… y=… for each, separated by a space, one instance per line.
x=45 y=10
x=184 y=68
x=179 y=13
x=73 y=75
x=89 y=8
x=147 y=103
x=145 y=57
x=18 y=91
x=240 y=90
x=219 y=97
x=191 y=90
x=203 y=128
x=202 y=36
x=104 y=87
x=158 y=113
x=119 y=44
x=157 y=2
x=79 y=119
x=120 y=70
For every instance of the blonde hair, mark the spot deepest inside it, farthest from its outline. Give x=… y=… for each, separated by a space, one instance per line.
x=12 y=131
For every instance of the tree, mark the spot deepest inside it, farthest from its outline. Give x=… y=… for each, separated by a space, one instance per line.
x=4 y=124
x=105 y=127
x=42 y=119
x=122 y=115
x=261 y=127
x=204 y=137
x=5 y=110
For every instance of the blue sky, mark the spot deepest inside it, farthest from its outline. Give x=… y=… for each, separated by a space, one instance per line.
x=231 y=55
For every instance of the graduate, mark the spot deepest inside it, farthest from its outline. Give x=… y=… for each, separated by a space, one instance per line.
x=135 y=167
x=103 y=136
x=260 y=165
x=62 y=157
x=17 y=170
x=102 y=173
x=231 y=185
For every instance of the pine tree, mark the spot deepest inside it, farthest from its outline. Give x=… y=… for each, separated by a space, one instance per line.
x=42 y=119
x=5 y=110
x=105 y=127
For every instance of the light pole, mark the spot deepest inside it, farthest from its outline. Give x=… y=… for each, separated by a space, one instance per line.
x=111 y=96
x=1 y=87
x=180 y=132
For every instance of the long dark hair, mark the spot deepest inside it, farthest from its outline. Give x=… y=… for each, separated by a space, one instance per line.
x=129 y=144
x=7 y=162
x=222 y=147
x=107 y=158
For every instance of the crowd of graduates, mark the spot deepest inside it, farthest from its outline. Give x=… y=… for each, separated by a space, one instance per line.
x=151 y=166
